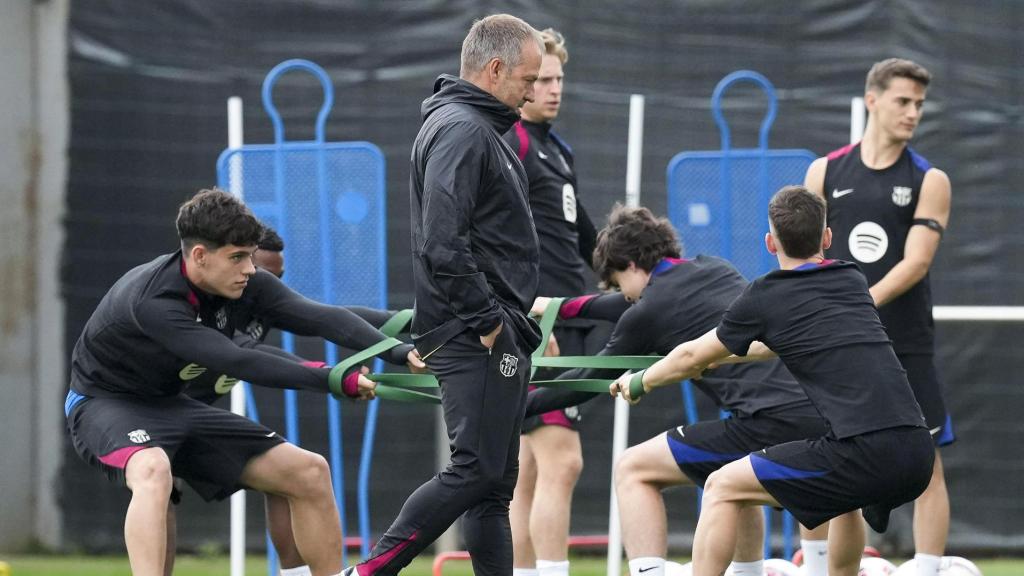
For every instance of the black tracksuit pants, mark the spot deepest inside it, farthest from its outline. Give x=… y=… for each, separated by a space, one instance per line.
x=484 y=395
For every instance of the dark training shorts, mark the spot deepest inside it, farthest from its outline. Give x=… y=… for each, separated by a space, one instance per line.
x=700 y=449
x=924 y=381
x=208 y=447
x=817 y=480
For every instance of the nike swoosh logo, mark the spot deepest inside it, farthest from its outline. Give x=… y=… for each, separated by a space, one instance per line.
x=542 y=155
x=271 y=435
x=840 y=193
x=935 y=430
x=509 y=165
x=642 y=570
x=680 y=430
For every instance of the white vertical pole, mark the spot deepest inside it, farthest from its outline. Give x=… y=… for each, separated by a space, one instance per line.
x=858 y=119
x=237 y=392
x=620 y=434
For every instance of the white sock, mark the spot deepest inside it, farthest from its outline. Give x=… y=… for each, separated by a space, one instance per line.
x=815 y=557
x=647 y=566
x=927 y=564
x=297 y=571
x=755 y=568
x=552 y=568
x=524 y=572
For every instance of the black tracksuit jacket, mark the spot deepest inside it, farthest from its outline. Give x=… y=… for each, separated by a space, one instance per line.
x=475 y=253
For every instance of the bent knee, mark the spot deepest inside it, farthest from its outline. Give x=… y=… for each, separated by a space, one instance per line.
x=310 y=472
x=149 y=470
x=568 y=469
x=628 y=469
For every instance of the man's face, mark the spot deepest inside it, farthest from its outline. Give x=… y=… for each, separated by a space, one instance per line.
x=226 y=270
x=547 y=91
x=515 y=85
x=631 y=281
x=897 y=110
x=270 y=260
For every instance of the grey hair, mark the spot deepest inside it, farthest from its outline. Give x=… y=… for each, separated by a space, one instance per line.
x=498 y=36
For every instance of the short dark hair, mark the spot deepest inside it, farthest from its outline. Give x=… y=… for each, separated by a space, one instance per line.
x=633 y=235
x=270 y=241
x=215 y=218
x=798 y=221
x=883 y=72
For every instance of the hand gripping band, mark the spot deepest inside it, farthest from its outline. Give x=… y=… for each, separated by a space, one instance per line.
x=335 y=381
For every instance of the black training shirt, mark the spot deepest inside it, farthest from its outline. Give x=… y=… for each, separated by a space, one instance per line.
x=822 y=322
x=154 y=331
x=683 y=301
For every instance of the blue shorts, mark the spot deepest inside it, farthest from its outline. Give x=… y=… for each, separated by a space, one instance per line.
x=700 y=449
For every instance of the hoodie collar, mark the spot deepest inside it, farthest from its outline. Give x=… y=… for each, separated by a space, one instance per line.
x=451 y=90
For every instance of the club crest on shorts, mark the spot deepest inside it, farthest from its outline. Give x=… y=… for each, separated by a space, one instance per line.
x=901 y=195
x=139 y=436
x=508 y=365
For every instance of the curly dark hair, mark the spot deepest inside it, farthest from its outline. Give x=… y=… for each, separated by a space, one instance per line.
x=271 y=241
x=215 y=218
x=633 y=235
x=798 y=221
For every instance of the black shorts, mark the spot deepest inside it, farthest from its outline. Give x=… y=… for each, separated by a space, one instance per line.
x=924 y=381
x=700 y=449
x=583 y=340
x=817 y=480
x=208 y=447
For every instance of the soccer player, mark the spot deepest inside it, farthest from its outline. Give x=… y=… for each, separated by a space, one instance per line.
x=818 y=316
x=475 y=272
x=550 y=454
x=888 y=208
x=677 y=300
x=164 y=324
x=210 y=388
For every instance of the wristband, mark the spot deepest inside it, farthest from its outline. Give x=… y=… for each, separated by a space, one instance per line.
x=636 y=385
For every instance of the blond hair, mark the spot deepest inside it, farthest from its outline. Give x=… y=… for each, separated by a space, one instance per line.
x=554 y=44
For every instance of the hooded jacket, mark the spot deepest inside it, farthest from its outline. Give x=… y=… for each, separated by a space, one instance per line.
x=475 y=253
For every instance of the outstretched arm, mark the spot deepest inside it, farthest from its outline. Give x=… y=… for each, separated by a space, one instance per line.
x=686 y=361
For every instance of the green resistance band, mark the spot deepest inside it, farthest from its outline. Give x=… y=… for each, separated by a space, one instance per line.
x=334 y=380
x=393 y=327
x=636 y=387
x=547 y=322
x=389 y=386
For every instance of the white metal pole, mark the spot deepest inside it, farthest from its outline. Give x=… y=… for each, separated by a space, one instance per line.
x=858 y=119
x=235 y=140
x=620 y=434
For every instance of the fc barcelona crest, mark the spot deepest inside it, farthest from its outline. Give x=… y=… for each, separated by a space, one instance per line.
x=508 y=365
x=901 y=195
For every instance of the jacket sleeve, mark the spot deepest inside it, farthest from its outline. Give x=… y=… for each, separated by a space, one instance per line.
x=288 y=310
x=454 y=175
x=172 y=324
x=609 y=306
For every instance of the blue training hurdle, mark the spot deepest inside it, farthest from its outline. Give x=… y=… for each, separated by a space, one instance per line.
x=327 y=200
x=718 y=200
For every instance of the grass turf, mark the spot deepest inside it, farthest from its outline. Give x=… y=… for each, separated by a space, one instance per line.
x=54 y=565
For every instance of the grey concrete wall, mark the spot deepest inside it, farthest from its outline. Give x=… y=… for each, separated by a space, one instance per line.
x=33 y=142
